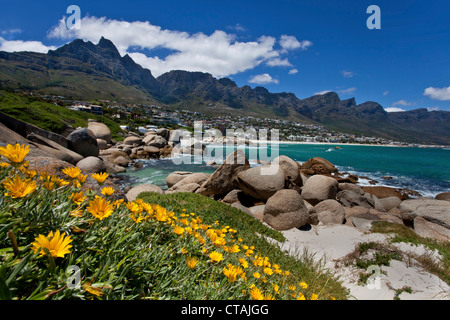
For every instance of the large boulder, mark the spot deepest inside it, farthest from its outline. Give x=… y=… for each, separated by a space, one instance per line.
x=443 y=196
x=328 y=212
x=319 y=188
x=318 y=165
x=436 y=211
x=351 y=199
x=176 y=176
x=155 y=141
x=132 y=140
x=164 y=133
x=92 y=165
x=198 y=178
x=390 y=202
x=100 y=131
x=384 y=192
x=134 y=192
x=223 y=180
x=431 y=230
x=83 y=142
x=286 y=210
x=261 y=182
x=183 y=187
x=54 y=149
x=291 y=169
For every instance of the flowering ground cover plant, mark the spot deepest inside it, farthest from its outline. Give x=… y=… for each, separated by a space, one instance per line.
x=182 y=246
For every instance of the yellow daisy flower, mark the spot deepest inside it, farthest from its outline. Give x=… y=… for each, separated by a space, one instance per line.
x=18 y=188
x=57 y=244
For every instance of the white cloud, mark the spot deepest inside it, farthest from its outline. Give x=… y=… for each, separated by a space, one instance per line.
x=394 y=109
x=385 y=93
x=402 y=103
x=19 y=45
x=263 y=79
x=348 y=74
x=291 y=43
x=277 y=62
x=293 y=71
x=442 y=94
x=436 y=108
x=322 y=92
x=347 y=91
x=218 y=53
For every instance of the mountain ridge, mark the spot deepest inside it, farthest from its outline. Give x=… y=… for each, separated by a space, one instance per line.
x=87 y=70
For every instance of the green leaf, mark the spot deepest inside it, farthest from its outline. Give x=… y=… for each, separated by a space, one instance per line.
x=18 y=268
x=5 y=293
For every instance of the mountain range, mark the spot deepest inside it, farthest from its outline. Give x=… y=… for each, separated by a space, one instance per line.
x=86 y=71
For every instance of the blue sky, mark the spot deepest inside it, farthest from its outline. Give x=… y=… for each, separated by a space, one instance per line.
x=304 y=47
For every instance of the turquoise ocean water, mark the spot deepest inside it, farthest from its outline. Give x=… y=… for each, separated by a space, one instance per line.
x=426 y=170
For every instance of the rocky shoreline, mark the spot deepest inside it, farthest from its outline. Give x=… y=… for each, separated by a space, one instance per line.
x=291 y=196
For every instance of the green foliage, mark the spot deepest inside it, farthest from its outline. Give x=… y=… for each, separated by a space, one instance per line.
x=49 y=116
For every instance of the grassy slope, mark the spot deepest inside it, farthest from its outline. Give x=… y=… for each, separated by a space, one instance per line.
x=49 y=116
x=250 y=230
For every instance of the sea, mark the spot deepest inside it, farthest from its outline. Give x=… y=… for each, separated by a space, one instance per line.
x=425 y=170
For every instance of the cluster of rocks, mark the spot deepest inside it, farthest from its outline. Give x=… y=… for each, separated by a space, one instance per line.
x=285 y=195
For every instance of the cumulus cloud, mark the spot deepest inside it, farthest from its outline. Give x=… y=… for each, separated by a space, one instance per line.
x=291 y=43
x=19 y=45
x=293 y=71
x=218 y=53
x=436 y=108
x=263 y=79
x=394 y=109
x=442 y=94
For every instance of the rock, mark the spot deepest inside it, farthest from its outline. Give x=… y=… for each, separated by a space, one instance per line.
x=196 y=148
x=436 y=211
x=183 y=187
x=258 y=212
x=351 y=199
x=122 y=161
x=134 y=192
x=102 y=145
x=152 y=150
x=443 y=196
x=328 y=212
x=351 y=187
x=387 y=178
x=232 y=196
x=239 y=206
x=223 y=180
x=285 y=210
x=132 y=140
x=166 y=151
x=100 y=131
x=111 y=167
x=390 y=202
x=318 y=165
x=384 y=192
x=211 y=163
x=377 y=204
x=319 y=188
x=291 y=169
x=54 y=149
x=164 y=133
x=357 y=210
x=83 y=142
x=198 y=177
x=260 y=182
x=92 y=165
x=176 y=176
x=431 y=230
x=156 y=141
